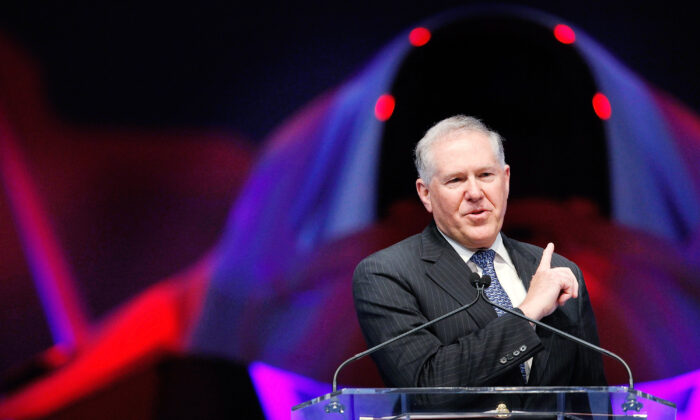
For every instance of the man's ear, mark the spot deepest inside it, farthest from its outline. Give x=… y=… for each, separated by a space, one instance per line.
x=506 y=171
x=424 y=194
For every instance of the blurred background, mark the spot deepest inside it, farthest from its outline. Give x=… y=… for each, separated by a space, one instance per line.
x=187 y=188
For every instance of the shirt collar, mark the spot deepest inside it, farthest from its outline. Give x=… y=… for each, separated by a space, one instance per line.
x=467 y=253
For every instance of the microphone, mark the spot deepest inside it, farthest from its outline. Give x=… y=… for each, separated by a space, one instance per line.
x=482 y=283
x=473 y=278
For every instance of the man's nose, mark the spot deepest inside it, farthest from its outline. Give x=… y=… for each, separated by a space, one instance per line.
x=473 y=191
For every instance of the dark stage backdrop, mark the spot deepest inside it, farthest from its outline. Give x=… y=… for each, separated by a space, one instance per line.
x=249 y=65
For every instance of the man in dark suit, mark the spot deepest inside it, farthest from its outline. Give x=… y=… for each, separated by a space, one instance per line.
x=464 y=182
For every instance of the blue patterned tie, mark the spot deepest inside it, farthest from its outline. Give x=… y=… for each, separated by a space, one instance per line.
x=484 y=259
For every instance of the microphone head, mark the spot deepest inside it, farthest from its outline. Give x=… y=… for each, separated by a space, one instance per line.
x=474 y=279
x=486 y=281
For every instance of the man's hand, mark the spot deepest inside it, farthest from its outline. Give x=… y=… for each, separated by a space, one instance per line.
x=549 y=288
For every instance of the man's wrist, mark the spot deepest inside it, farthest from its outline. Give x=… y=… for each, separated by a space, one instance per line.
x=525 y=310
x=518 y=309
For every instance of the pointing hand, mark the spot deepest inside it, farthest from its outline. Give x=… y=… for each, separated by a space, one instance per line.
x=549 y=288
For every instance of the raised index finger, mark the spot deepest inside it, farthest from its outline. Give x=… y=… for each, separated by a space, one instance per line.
x=546 y=261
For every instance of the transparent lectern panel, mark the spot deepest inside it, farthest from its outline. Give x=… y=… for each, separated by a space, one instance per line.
x=471 y=403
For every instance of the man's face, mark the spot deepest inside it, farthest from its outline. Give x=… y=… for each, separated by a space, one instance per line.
x=468 y=192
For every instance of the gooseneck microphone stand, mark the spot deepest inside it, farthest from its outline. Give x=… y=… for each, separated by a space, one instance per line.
x=484 y=282
x=474 y=277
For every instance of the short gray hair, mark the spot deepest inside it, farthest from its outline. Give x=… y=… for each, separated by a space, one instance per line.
x=423 y=158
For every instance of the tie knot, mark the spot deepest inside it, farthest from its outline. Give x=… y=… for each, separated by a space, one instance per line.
x=483 y=258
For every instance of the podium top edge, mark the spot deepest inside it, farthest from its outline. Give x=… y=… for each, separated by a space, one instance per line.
x=484 y=390
x=491 y=389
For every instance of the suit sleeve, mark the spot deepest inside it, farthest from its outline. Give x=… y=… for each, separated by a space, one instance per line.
x=387 y=305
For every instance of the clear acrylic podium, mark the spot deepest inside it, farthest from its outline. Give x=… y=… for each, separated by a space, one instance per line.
x=485 y=403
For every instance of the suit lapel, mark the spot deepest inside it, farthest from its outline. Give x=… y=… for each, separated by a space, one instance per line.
x=451 y=273
x=526 y=266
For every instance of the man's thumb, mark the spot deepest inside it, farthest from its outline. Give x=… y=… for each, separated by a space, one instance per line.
x=546 y=261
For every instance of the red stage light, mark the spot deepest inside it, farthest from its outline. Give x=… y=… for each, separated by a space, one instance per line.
x=601 y=106
x=564 y=34
x=419 y=37
x=384 y=107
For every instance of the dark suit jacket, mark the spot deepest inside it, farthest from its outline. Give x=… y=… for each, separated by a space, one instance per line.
x=423 y=277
